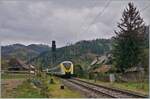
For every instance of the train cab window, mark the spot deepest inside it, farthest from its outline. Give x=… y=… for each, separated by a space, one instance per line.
x=67 y=65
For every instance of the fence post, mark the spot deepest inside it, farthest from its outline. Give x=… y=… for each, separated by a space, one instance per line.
x=111 y=78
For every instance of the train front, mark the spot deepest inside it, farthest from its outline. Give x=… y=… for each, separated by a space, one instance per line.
x=67 y=69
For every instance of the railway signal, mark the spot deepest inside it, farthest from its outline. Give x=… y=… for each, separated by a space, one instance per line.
x=53 y=52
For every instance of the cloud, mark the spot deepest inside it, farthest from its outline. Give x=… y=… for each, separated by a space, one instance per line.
x=65 y=21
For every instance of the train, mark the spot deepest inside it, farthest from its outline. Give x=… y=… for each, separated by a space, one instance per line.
x=64 y=69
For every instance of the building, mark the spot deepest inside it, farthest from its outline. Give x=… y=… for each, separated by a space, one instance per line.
x=18 y=65
x=100 y=61
x=102 y=69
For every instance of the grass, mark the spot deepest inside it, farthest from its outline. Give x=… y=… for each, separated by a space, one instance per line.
x=13 y=76
x=26 y=90
x=141 y=87
x=56 y=92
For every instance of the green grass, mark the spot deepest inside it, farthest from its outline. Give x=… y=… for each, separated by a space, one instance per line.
x=141 y=87
x=14 y=76
x=26 y=90
x=56 y=92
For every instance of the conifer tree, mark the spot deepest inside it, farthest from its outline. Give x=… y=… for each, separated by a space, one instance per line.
x=129 y=40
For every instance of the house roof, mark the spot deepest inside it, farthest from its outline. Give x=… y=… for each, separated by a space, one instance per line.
x=103 y=69
x=94 y=61
x=132 y=69
x=31 y=66
x=102 y=59
x=21 y=64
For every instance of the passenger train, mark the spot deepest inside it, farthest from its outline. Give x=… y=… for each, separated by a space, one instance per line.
x=64 y=69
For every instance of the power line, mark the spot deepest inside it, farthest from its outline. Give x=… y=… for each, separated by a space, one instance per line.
x=145 y=7
x=139 y=11
x=99 y=14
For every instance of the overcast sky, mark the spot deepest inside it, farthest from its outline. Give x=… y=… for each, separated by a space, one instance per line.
x=66 y=21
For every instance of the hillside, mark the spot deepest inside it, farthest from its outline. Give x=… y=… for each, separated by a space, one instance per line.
x=82 y=52
x=22 y=52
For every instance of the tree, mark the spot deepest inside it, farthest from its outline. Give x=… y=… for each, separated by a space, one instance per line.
x=129 y=40
x=78 y=70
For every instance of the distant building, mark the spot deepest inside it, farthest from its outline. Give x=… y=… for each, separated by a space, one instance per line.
x=103 y=69
x=133 y=74
x=101 y=64
x=104 y=59
x=135 y=69
x=18 y=65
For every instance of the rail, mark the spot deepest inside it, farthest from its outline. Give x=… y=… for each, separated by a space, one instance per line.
x=111 y=92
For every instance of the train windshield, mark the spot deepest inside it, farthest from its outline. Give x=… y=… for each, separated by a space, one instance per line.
x=67 y=65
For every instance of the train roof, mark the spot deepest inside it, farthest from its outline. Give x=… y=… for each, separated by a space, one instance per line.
x=66 y=62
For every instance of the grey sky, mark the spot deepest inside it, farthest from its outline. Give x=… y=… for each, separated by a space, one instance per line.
x=66 y=21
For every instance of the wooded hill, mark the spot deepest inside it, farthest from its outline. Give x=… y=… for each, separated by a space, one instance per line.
x=22 y=52
x=81 y=53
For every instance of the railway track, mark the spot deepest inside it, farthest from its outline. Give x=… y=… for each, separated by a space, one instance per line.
x=108 y=92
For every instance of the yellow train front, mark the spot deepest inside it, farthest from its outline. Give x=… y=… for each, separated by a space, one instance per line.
x=66 y=68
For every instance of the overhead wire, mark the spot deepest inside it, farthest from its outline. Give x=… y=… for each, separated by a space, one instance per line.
x=102 y=11
x=145 y=7
x=98 y=15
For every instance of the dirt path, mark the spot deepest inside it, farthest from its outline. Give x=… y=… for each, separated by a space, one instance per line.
x=8 y=86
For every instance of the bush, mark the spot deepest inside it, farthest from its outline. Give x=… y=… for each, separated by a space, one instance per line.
x=103 y=76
